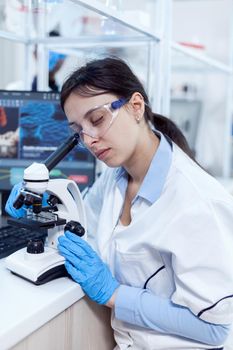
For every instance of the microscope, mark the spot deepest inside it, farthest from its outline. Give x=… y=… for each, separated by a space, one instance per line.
x=40 y=261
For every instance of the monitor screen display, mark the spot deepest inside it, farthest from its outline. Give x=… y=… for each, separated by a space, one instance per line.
x=32 y=126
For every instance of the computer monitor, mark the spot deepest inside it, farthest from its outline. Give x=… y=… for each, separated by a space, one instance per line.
x=187 y=115
x=32 y=126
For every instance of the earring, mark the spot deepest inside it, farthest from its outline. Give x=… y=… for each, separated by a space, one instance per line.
x=138 y=119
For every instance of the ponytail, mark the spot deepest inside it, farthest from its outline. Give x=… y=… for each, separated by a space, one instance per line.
x=169 y=128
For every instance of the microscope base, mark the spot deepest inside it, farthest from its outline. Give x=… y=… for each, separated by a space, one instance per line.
x=37 y=268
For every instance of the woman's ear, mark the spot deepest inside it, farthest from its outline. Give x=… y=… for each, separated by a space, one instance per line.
x=138 y=105
x=137 y=102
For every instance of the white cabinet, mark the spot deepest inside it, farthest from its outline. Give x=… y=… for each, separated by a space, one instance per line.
x=84 y=325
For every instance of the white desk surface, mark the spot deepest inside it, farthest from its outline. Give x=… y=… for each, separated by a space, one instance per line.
x=25 y=307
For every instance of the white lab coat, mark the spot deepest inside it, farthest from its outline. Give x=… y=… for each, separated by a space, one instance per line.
x=189 y=229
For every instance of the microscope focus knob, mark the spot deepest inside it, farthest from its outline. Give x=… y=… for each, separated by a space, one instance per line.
x=75 y=227
x=35 y=246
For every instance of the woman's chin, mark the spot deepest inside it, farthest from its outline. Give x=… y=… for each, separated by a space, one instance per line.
x=111 y=163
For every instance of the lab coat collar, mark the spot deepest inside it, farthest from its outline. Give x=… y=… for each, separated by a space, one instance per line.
x=152 y=185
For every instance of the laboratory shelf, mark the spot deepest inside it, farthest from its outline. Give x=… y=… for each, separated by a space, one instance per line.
x=206 y=61
x=117 y=16
x=90 y=41
x=12 y=37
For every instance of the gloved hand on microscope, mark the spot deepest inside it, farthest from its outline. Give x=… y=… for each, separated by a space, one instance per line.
x=82 y=262
x=86 y=268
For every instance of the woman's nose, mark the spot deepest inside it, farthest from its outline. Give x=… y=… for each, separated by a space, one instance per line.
x=89 y=140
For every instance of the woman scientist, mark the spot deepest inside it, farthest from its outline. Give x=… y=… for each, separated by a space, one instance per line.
x=159 y=227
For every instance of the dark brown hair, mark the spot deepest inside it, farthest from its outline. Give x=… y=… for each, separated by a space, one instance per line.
x=113 y=75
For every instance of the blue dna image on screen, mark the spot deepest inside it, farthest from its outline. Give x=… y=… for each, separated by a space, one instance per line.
x=32 y=126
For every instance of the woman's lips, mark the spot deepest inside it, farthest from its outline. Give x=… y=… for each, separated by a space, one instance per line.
x=102 y=153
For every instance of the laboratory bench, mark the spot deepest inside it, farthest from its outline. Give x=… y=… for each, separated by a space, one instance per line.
x=53 y=316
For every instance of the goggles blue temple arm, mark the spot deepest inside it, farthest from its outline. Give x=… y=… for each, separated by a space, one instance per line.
x=119 y=103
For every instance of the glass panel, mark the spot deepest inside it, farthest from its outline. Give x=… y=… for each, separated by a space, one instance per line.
x=18 y=16
x=73 y=20
x=136 y=11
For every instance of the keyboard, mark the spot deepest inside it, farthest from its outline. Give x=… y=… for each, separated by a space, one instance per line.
x=13 y=238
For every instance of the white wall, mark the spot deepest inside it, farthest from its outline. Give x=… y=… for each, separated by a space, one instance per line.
x=207 y=22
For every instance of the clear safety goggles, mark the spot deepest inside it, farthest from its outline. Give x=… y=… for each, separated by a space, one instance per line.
x=98 y=120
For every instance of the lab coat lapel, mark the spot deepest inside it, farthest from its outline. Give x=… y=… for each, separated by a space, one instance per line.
x=110 y=212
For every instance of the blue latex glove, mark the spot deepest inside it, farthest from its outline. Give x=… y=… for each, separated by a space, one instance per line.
x=19 y=213
x=15 y=213
x=86 y=268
